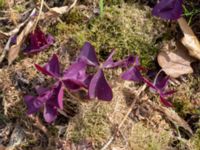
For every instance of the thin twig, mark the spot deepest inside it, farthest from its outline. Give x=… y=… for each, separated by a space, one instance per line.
x=72 y=5
x=39 y=14
x=6 y=48
x=125 y=117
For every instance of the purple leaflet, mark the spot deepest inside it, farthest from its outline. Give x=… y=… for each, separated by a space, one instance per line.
x=88 y=54
x=98 y=81
x=75 y=76
x=33 y=104
x=109 y=63
x=38 y=41
x=52 y=68
x=51 y=99
x=168 y=9
x=160 y=86
x=132 y=74
x=99 y=88
x=50 y=112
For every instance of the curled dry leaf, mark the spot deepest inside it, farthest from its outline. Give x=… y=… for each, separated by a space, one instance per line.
x=175 y=63
x=190 y=41
x=56 y=11
x=15 y=49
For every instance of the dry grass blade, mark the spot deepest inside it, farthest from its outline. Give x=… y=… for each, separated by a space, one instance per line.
x=6 y=48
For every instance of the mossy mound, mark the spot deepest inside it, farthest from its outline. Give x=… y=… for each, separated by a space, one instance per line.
x=129 y=29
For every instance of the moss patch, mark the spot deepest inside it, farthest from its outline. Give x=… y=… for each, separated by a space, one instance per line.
x=129 y=29
x=2 y=3
x=92 y=123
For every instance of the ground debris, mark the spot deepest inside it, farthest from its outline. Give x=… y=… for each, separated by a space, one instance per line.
x=175 y=62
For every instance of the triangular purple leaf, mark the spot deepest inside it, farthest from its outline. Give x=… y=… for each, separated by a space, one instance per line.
x=109 y=63
x=132 y=74
x=99 y=88
x=75 y=76
x=52 y=68
x=88 y=54
x=161 y=82
x=29 y=101
x=58 y=93
x=168 y=9
x=50 y=113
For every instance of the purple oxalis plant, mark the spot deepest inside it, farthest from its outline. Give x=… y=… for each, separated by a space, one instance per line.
x=73 y=78
x=159 y=86
x=98 y=87
x=168 y=9
x=38 y=41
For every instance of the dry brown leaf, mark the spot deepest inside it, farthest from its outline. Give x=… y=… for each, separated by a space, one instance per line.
x=15 y=49
x=172 y=116
x=2 y=147
x=175 y=63
x=190 y=41
x=59 y=10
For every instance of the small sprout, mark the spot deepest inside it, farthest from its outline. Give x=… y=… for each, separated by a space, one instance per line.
x=168 y=9
x=159 y=86
x=38 y=41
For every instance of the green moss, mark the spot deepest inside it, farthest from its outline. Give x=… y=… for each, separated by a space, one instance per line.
x=128 y=29
x=145 y=138
x=185 y=95
x=196 y=140
x=2 y=3
x=113 y=2
x=92 y=124
x=19 y=8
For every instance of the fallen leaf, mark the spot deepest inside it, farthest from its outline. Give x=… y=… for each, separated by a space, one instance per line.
x=175 y=63
x=190 y=41
x=15 y=49
x=2 y=147
x=57 y=11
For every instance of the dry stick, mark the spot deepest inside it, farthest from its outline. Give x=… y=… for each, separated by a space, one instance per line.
x=40 y=12
x=6 y=48
x=125 y=117
x=73 y=4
